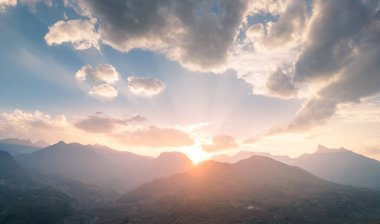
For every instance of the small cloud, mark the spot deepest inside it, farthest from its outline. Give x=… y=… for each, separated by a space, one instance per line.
x=104 y=73
x=145 y=86
x=104 y=91
x=4 y=4
x=81 y=34
x=153 y=136
x=32 y=4
x=102 y=123
x=219 y=143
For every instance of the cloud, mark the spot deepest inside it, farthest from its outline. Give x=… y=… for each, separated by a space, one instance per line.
x=153 y=136
x=288 y=27
x=20 y=121
x=256 y=31
x=315 y=111
x=280 y=84
x=145 y=86
x=219 y=143
x=198 y=34
x=32 y=4
x=4 y=4
x=101 y=77
x=365 y=113
x=342 y=50
x=103 y=123
x=104 y=91
x=81 y=34
x=104 y=73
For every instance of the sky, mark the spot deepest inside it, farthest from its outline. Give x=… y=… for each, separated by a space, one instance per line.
x=201 y=77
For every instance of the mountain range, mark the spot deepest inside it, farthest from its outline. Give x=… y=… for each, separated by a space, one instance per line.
x=337 y=165
x=103 y=166
x=15 y=146
x=254 y=190
x=94 y=184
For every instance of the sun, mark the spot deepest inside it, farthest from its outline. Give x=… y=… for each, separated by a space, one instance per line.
x=196 y=154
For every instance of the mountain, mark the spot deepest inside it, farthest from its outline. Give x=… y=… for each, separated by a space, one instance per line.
x=167 y=164
x=15 y=146
x=23 y=200
x=337 y=165
x=342 y=166
x=255 y=190
x=102 y=166
x=246 y=154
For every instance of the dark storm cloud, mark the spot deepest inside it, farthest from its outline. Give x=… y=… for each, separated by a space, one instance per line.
x=198 y=34
x=343 y=47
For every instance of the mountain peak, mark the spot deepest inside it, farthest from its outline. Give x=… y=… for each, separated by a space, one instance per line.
x=60 y=143
x=324 y=149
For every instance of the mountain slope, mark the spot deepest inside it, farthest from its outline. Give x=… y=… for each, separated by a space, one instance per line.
x=342 y=166
x=256 y=190
x=337 y=165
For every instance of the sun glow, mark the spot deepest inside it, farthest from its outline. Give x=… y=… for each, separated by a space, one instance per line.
x=196 y=154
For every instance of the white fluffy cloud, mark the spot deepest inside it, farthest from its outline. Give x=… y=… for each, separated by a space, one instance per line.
x=105 y=73
x=80 y=33
x=104 y=91
x=145 y=86
x=100 y=78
